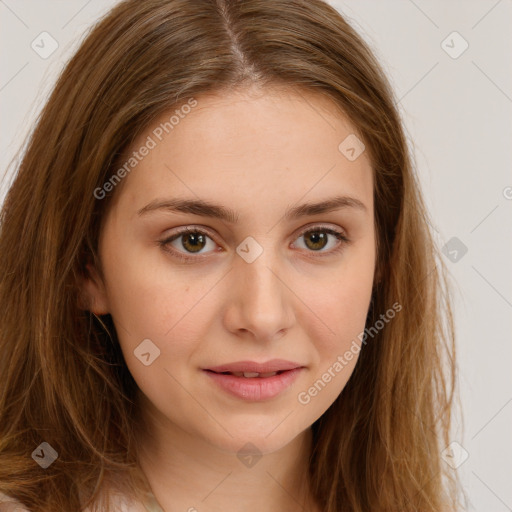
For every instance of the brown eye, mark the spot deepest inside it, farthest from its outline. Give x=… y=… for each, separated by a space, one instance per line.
x=188 y=241
x=316 y=240
x=193 y=242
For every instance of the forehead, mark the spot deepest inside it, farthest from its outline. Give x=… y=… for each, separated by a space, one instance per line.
x=261 y=123
x=274 y=145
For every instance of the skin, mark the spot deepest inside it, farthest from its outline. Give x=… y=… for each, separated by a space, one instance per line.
x=257 y=152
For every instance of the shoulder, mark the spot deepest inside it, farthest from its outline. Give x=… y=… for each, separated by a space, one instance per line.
x=8 y=504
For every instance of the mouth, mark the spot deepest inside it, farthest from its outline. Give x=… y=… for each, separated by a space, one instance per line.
x=240 y=368
x=252 y=381
x=251 y=375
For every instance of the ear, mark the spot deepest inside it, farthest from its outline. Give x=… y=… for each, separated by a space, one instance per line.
x=93 y=297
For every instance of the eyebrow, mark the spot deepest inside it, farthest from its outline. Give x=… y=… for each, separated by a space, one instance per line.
x=206 y=209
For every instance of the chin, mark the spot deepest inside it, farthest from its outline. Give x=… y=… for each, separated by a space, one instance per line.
x=262 y=437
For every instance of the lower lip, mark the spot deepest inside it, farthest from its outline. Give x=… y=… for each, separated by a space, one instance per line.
x=255 y=389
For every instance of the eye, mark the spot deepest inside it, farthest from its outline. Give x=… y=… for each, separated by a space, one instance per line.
x=188 y=243
x=193 y=241
x=316 y=239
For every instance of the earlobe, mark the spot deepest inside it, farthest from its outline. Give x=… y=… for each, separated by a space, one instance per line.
x=93 y=294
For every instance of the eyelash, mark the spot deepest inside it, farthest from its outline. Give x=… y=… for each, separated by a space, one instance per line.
x=338 y=234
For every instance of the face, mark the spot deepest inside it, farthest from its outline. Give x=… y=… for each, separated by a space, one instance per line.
x=260 y=275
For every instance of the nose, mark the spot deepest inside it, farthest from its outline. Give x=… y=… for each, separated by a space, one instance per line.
x=260 y=302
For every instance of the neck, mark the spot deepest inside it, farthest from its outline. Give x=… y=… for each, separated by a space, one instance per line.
x=188 y=473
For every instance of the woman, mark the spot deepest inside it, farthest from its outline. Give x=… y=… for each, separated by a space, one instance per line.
x=219 y=287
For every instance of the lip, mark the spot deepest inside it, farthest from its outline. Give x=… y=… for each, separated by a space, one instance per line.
x=255 y=389
x=273 y=365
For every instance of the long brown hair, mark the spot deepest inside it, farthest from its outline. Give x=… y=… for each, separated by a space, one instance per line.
x=63 y=379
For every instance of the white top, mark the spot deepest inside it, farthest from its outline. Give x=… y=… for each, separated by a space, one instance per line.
x=8 y=504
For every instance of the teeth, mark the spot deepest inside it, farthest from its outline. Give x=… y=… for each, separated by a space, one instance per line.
x=252 y=375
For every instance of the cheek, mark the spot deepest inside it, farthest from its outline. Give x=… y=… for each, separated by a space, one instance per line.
x=339 y=304
x=149 y=302
x=337 y=310
x=145 y=299
x=176 y=308
x=343 y=319
x=157 y=323
x=336 y=342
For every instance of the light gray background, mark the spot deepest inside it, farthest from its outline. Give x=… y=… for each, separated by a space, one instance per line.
x=457 y=113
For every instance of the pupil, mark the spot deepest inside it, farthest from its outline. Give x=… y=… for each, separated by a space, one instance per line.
x=318 y=239
x=193 y=239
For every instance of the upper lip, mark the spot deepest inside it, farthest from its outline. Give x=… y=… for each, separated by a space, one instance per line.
x=274 y=365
